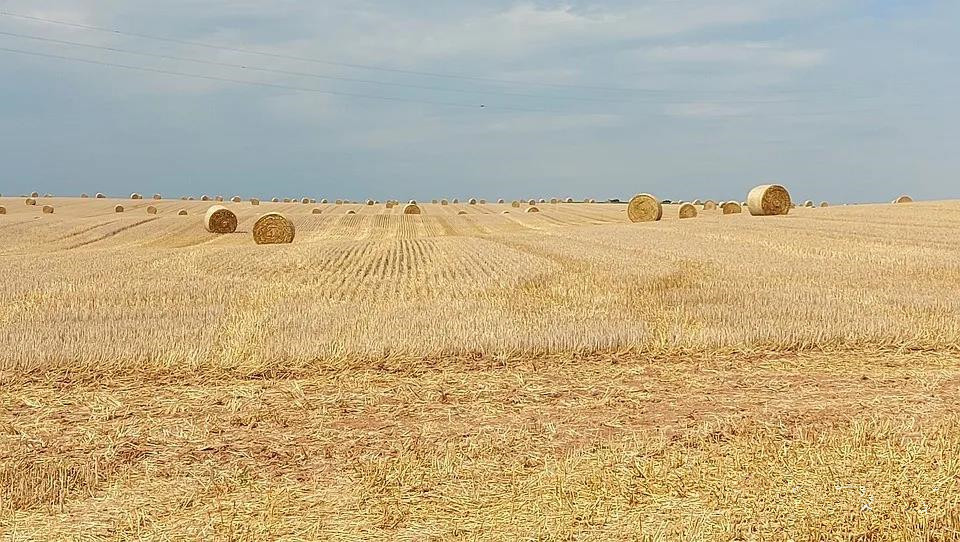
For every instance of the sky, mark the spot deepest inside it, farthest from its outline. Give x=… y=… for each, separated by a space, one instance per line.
x=840 y=100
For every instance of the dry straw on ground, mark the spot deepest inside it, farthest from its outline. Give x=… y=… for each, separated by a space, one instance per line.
x=272 y=229
x=688 y=210
x=644 y=208
x=411 y=209
x=731 y=208
x=769 y=200
x=219 y=219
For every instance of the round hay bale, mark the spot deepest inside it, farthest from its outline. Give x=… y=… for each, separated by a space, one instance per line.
x=3 y=210
x=30 y=201
x=315 y=211
x=391 y=205
x=305 y=201
x=99 y=196
x=273 y=229
x=190 y=198
x=505 y=212
x=235 y=199
x=808 y=203
x=568 y=200
x=531 y=202
x=731 y=208
x=369 y=202
x=84 y=195
x=219 y=198
x=500 y=200
x=219 y=219
x=184 y=198
x=688 y=210
x=118 y=209
x=743 y=204
x=323 y=201
x=824 y=204
x=47 y=209
x=339 y=202
x=554 y=201
x=48 y=195
x=204 y=198
x=135 y=196
x=769 y=200
x=472 y=201
x=433 y=202
x=157 y=197
x=412 y=202
x=903 y=199
x=151 y=210
x=455 y=200
x=254 y=201
x=351 y=212
x=644 y=208
x=275 y=200
x=515 y=204
x=444 y=202
x=182 y=212
x=483 y=202
x=709 y=205
x=532 y=210
x=591 y=200
x=411 y=209
x=34 y=194
x=697 y=202
x=542 y=200
x=461 y=212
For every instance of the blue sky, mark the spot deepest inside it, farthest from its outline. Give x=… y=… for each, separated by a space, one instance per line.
x=842 y=100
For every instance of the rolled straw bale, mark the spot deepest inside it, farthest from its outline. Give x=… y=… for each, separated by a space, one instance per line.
x=305 y=201
x=219 y=198
x=219 y=219
x=455 y=200
x=769 y=200
x=30 y=201
x=568 y=200
x=412 y=202
x=411 y=209
x=182 y=212
x=433 y=202
x=315 y=211
x=444 y=202
x=339 y=202
x=235 y=199
x=151 y=210
x=47 y=209
x=531 y=202
x=34 y=194
x=135 y=196
x=390 y=205
x=542 y=200
x=204 y=198
x=275 y=200
x=731 y=208
x=515 y=204
x=184 y=198
x=84 y=195
x=903 y=199
x=709 y=205
x=48 y=195
x=369 y=202
x=483 y=202
x=688 y=210
x=157 y=197
x=824 y=204
x=323 y=200
x=189 y=198
x=644 y=208
x=273 y=229
x=461 y=212
x=254 y=201
x=99 y=196
x=500 y=200
x=697 y=202
x=351 y=212
x=472 y=201
x=808 y=203
x=118 y=209
x=532 y=210
x=3 y=210
x=591 y=200
x=554 y=200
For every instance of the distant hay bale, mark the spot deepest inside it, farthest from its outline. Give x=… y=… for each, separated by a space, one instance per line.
x=351 y=212
x=30 y=201
x=235 y=199
x=99 y=196
x=808 y=203
x=644 y=208
x=697 y=202
x=500 y=200
x=135 y=196
x=219 y=198
x=483 y=202
x=47 y=209
x=190 y=198
x=182 y=212
x=34 y=194
x=3 y=210
x=275 y=200
x=688 y=210
x=731 y=208
x=151 y=210
x=515 y=204
x=542 y=200
x=532 y=210
x=591 y=200
x=433 y=202
x=323 y=200
x=461 y=212
x=273 y=229
x=184 y=198
x=709 y=205
x=369 y=202
x=903 y=199
x=157 y=197
x=84 y=195
x=444 y=202
x=118 y=209
x=472 y=201
x=531 y=202
x=554 y=201
x=824 y=204
x=48 y=195
x=305 y=201
x=391 y=205
x=254 y=201
x=769 y=200
x=204 y=198
x=315 y=211
x=455 y=200
x=339 y=202
x=286 y=200
x=219 y=219
x=568 y=200
x=411 y=209
x=412 y=202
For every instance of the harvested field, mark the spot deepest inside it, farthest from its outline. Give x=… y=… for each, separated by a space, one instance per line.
x=563 y=375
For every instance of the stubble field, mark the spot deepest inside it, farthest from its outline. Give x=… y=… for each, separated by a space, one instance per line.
x=486 y=376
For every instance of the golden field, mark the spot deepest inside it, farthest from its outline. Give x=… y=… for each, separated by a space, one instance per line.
x=563 y=375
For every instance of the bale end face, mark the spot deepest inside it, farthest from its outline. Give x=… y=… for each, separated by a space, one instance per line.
x=151 y=210
x=731 y=208
x=644 y=208
x=315 y=211
x=254 y=201
x=30 y=201
x=118 y=209
x=219 y=219
x=688 y=210
x=273 y=229
x=769 y=200
x=235 y=199
x=515 y=204
x=48 y=209
x=3 y=210
x=411 y=209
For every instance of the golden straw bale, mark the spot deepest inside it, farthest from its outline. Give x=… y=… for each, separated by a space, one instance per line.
x=554 y=201
x=731 y=208
x=204 y=198
x=369 y=202
x=808 y=203
x=118 y=209
x=305 y=201
x=84 y=195
x=472 y=201
x=323 y=200
x=254 y=201
x=47 y=209
x=157 y=197
x=443 y=202
x=688 y=210
x=30 y=201
x=568 y=200
x=531 y=202
x=644 y=208
x=532 y=210
x=769 y=200
x=219 y=219
x=483 y=202
x=515 y=203
x=500 y=200
x=190 y=198
x=151 y=210
x=34 y=194
x=235 y=199
x=315 y=211
x=709 y=205
x=3 y=210
x=135 y=196
x=275 y=200
x=903 y=199
x=219 y=198
x=182 y=212
x=339 y=202
x=100 y=196
x=272 y=229
x=697 y=202
x=411 y=209
x=824 y=204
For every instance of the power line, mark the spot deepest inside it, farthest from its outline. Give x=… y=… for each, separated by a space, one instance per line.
x=269 y=85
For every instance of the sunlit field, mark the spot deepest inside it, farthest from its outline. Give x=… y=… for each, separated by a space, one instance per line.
x=493 y=375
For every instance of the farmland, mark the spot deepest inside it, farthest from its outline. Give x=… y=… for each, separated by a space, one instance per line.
x=489 y=375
